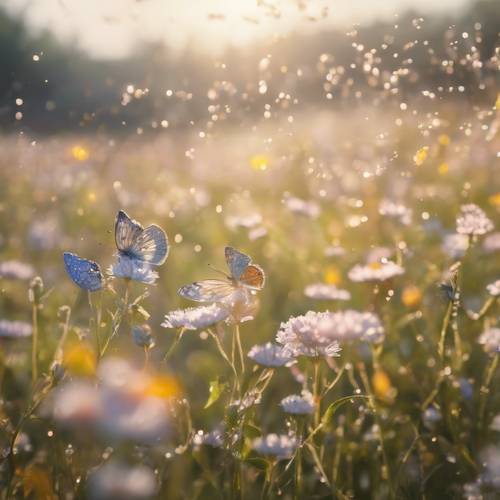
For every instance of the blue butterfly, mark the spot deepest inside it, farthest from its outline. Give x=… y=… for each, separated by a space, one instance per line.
x=84 y=272
x=149 y=245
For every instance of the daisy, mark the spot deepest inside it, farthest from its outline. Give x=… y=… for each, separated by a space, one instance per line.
x=491 y=340
x=269 y=354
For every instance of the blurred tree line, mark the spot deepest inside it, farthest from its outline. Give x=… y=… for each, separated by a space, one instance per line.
x=66 y=90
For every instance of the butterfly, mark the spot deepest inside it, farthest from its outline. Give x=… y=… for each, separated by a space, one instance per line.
x=84 y=272
x=242 y=274
x=149 y=245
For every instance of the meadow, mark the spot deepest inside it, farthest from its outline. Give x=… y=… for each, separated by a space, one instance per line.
x=364 y=364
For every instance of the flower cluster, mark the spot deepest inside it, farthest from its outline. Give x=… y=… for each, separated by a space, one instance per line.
x=195 y=318
x=15 y=329
x=396 y=211
x=269 y=354
x=473 y=221
x=376 y=271
x=279 y=446
x=299 y=405
x=323 y=291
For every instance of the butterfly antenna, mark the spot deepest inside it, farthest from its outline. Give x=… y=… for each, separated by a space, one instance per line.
x=218 y=271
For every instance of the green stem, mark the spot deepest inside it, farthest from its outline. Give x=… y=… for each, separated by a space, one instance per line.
x=316 y=391
x=485 y=390
x=240 y=348
x=34 y=345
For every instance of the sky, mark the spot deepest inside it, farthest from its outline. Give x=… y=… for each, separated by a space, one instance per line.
x=112 y=28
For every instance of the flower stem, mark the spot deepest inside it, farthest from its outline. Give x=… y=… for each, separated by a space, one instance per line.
x=316 y=391
x=240 y=348
x=484 y=392
x=34 y=345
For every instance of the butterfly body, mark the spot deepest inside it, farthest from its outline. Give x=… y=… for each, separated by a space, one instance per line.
x=148 y=245
x=243 y=276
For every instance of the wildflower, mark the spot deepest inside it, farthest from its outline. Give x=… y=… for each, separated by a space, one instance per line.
x=133 y=269
x=411 y=296
x=376 y=271
x=491 y=243
x=15 y=329
x=421 y=155
x=76 y=404
x=455 y=245
x=495 y=425
x=490 y=459
x=382 y=385
x=256 y=233
x=280 y=446
x=215 y=438
x=473 y=221
x=251 y=398
x=319 y=333
x=195 y=318
x=302 y=207
x=397 y=211
x=80 y=359
x=259 y=162
x=494 y=288
x=334 y=251
x=491 y=340
x=15 y=270
x=245 y=221
x=323 y=291
x=431 y=417
x=269 y=355
x=308 y=335
x=142 y=336
x=116 y=480
x=298 y=405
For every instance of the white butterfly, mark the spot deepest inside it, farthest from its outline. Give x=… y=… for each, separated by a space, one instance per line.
x=148 y=245
x=243 y=274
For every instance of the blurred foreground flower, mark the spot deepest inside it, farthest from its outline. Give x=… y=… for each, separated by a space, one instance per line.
x=473 y=221
x=15 y=329
x=114 y=480
x=455 y=245
x=376 y=271
x=270 y=355
x=302 y=207
x=279 y=446
x=127 y=404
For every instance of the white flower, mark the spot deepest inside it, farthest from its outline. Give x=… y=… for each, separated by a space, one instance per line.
x=299 y=405
x=319 y=333
x=195 y=318
x=269 y=355
x=280 y=446
x=490 y=339
x=116 y=480
x=214 y=438
x=455 y=245
x=473 y=221
x=322 y=291
x=76 y=404
x=334 y=251
x=397 y=211
x=494 y=288
x=246 y=221
x=305 y=335
x=14 y=329
x=376 y=271
x=133 y=269
x=491 y=243
x=495 y=425
x=302 y=207
x=257 y=233
x=15 y=270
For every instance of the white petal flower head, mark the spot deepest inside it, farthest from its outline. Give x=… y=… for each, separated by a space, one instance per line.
x=376 y=271
x=397 y=211
x=323 y=291
x=15 y=329
x=494 y=288
x=473 y=221
x=133 y=269
x=269 y=354
x=319 y=333
x=280 y=446
x=491 y=243
x=15 y=270
x=491 y=340
x=306 y=336
x=299 y=405
x=196 y=318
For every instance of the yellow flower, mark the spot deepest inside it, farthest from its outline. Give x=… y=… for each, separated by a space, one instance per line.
x=382 y=385
x=444 y=140
x=80 y=359
x=494 y=199
x=412 y=296
x=332 y=275
x=259 y=162
x=163 y=386
x=80 y=153
x=420 y=156
x=443 y=168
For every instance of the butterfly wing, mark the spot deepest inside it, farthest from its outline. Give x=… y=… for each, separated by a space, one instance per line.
x=150 y=246
x=253 y=277
x=207 y=290
x=236 y=261
x=126 y=232
x=84 y=272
